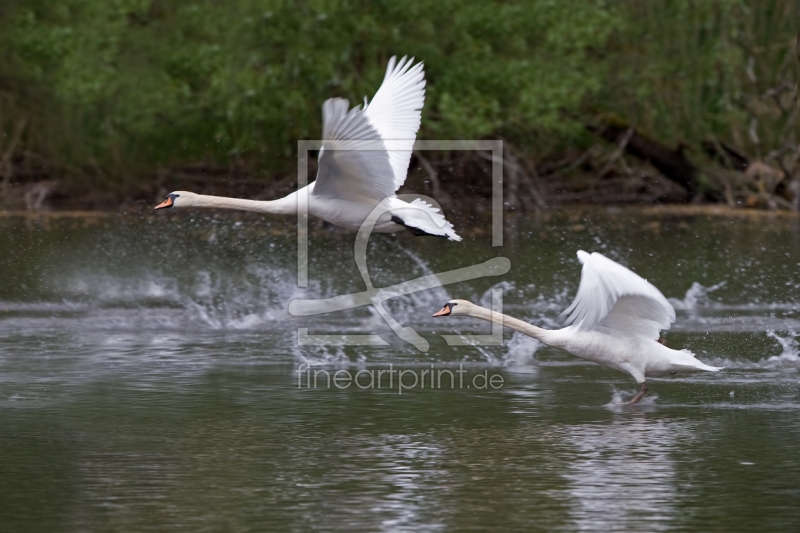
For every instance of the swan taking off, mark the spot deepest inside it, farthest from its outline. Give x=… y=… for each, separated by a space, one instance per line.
x=615 y=321
x=363 y=160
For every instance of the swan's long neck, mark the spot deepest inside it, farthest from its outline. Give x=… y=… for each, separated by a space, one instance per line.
x=283 y=206
x=540 y=334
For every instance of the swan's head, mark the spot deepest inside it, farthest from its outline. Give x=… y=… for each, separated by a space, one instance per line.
x=176 y=199
x=455 y=308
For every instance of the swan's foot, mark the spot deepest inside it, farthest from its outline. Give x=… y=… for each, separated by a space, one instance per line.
x=639 y=395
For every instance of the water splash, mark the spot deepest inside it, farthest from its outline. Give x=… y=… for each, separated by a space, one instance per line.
x=409 y=308
x=486 y=298
x=619 y=399
x=695 y=298
x=520 y=353
x=315 y=356
x=788 y=361
x=107 y=289
x=790 y=351
x=258 y=300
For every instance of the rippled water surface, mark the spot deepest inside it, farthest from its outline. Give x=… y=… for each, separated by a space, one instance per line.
x=151 y=378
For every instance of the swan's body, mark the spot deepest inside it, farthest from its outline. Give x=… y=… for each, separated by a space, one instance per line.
x=615 y=320
x=363 y=160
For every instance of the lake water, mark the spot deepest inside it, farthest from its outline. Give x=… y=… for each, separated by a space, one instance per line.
x=151 y=378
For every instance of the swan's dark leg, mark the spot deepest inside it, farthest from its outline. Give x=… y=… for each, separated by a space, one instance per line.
x=639 y=395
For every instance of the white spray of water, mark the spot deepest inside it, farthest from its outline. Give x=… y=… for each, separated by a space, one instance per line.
x=520 y=352
x=105 y=288
x=619 y=399
x=787 y=361
x=695 y=298
x=790 y=351
x=409 y=308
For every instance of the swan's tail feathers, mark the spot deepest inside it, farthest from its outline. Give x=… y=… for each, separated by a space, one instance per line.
x=427 y=229
x=691 y=360
x=421 y=218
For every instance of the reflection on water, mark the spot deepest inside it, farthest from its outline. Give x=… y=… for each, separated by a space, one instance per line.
x=147 y=380
x=624 y=471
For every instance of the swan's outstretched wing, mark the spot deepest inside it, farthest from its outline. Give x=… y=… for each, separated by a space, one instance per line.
x=353 y=162
x=395 y=112
x=613 y=297
x=365 y=153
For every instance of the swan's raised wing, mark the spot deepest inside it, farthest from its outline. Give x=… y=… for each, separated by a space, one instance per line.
x=395 y=112
x=353 y=162
x=611 y=296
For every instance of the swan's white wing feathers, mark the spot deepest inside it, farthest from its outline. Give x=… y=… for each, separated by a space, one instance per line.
x=629 y=315
x=421 y=215
x=395 y=112
x=350 y=166
x=611 y=296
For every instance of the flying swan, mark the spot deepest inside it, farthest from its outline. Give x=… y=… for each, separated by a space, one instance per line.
x=615 y=320
x=363 y=160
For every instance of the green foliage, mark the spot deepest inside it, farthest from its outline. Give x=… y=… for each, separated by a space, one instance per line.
x=135 y=84
x=171 y=82
x=680 y=68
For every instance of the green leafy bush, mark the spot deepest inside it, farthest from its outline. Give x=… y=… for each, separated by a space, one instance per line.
x=127 y=86
x=156 y=82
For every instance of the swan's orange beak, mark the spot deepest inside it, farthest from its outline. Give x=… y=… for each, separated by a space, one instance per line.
x=165 y=203
x=444 y=312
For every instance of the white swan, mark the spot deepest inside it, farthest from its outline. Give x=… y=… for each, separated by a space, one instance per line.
x=616 y=320
x=363 y=161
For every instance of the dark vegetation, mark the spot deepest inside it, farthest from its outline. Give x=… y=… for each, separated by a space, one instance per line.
x=105 y=102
